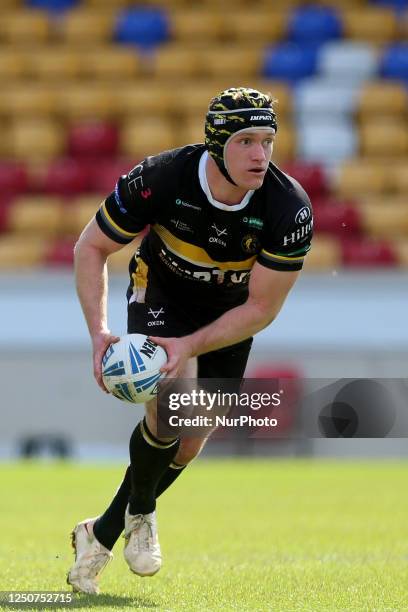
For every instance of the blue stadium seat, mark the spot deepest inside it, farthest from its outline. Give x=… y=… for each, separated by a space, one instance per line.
x=315 y=24
x=395 y=62
x=348 y=61
x=397 y=5
x=144 y=27
x=52 y=5
x=289 y=62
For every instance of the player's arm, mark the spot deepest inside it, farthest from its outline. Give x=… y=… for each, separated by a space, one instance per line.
x=268 y=290
x=91 y=276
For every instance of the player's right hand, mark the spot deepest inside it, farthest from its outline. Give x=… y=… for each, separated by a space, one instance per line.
x=100 y=343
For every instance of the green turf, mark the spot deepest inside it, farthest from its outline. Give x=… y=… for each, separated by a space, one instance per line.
x=235 y=535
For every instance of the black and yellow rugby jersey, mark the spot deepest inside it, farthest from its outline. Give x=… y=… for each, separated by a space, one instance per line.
x=197 y=248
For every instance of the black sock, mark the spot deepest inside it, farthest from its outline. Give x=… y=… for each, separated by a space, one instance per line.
x=173 y=471
x=111 y=523
x=149 y=459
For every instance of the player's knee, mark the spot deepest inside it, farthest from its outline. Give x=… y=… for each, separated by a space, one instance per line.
x=188 y=450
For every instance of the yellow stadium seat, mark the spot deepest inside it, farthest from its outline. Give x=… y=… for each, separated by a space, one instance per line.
x=401 y=249
x=87 y=101
x=80 y=211
x=36 y=215
x=13 y=64
x=231 y=62
x=172 y=61
x=256 y=26
x=146 y=96
x=384 y=138
x=387 y=221
x=25 y=27
x=373 y=24
x=192 y=132
x=28 y=100
x=88 y=26
x=21 y=252
x=111 y=63
x=106 y=4
x=382 y=98
x=325 y=254
x=55 y=63
x=190 y=25
x=36 y=139
x=358 y=177
x=146 y=136
x=199 y=94
x=399 y=177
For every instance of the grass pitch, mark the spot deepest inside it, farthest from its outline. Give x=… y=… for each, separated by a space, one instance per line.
x=235 y=535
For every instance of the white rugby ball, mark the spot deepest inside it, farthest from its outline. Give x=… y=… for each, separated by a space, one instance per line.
x=131 y=368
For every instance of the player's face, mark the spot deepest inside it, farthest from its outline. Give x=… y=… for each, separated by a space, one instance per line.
x=247 y=156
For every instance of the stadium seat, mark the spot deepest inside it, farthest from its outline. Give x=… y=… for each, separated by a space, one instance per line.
x=385 y=221
x=367 y=253
x=322 y=98
x=340 y=220
x=382 y=98
x=399 y=176
x=314 y=24
x=52 y=5
x=143 y=27
x=111 y=63
x=396 y=5
x=13 y=178
x=87 y=27
x=62 y=64
x=80 y=211
x=254 y=27
x=104 y=174
x=153 y=95
x=312 y=177
x=327 y=142
x=105 y=4
x=94 y=139
x=171 y=61
x=196 y=24
x=36 y=215
x=289 y=62
x=361 y=177
x=325 y=254
x=25 y=27
x=119 y=261
x=21 y=252
x=395 y=62
x=348 y=61
x=28 y=100
x=60 y=253
x=372 y=24
x=87 y=101
x=200 y=92
x=148 y=136
x=285 y=145
x=13 y=64
x=385 y=138
x=244 y=62
x=64 y=177
x=401 y=251
x=192 y=132
x=36 y=139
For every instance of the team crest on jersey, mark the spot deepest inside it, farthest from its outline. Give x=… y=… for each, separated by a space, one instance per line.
x=250 y=243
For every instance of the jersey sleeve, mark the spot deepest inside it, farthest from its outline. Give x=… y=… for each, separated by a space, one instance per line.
x=285 y=247
x=132 y=205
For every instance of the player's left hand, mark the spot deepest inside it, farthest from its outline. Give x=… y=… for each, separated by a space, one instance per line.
x=178 y=353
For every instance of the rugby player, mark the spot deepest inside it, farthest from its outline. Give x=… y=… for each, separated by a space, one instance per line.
x=228 y=235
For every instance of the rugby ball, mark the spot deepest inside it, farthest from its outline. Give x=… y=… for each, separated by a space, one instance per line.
x=131 y=368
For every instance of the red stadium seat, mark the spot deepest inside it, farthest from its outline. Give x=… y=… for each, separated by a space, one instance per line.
x=64 y=177
x=367 y=253
x=94 y=139
x=340 y=219
x=104 y=174
x=60 y=253
x=311 y=176
x=13 y=177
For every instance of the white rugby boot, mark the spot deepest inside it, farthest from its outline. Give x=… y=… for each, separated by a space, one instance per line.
x=142 y=549
x=91 y=557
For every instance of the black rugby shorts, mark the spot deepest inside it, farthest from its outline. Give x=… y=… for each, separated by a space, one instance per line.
x=168 y=319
